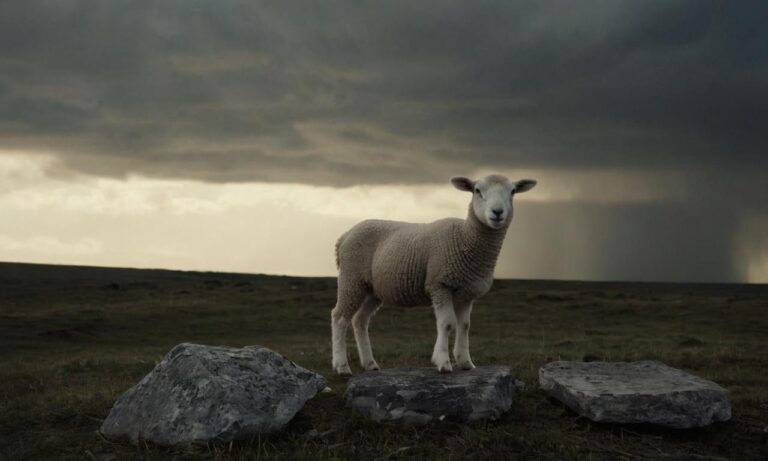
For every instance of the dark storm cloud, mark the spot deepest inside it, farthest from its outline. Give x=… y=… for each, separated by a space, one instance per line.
x=115 y=87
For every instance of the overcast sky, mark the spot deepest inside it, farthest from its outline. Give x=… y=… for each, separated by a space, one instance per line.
x=247 y=135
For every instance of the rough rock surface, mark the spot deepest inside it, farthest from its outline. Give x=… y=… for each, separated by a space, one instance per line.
x=636 y=392
x=419 y=395
x=200 y=393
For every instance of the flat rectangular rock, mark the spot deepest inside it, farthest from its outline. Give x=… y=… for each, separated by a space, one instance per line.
x=636 y=392
x=414 y=396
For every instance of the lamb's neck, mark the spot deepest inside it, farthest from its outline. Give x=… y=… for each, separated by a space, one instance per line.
x=480 y=244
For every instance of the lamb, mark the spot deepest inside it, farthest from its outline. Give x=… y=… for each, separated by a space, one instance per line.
x=448 y=263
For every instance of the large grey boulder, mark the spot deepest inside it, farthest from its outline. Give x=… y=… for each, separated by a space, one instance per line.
x=420 y=395
x=198 y=393
x=636 y=392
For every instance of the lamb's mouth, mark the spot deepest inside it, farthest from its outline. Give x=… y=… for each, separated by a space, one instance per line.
x=497 y=221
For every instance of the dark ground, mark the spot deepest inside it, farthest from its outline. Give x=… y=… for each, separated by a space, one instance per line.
x=72 y=339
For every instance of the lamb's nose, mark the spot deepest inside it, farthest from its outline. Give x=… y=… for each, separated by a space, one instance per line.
x=498 y=212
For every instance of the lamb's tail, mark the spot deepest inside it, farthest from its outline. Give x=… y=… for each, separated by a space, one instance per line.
x=338 y=244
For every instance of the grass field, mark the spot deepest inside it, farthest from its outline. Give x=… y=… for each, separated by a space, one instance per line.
x=72 y=339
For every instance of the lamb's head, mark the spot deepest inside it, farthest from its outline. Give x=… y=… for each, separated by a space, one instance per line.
x=492 y=197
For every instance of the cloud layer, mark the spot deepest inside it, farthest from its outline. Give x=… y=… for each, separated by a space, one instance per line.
x=342 y=93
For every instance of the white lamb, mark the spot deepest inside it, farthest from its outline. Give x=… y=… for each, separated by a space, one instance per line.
x=448 y=263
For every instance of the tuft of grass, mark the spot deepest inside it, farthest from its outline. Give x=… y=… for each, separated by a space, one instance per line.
x=73 y=339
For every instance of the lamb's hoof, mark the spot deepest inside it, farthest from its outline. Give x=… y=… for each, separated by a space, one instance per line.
x=343 y=370
x=466 y=366
x=442 y=362
x=371 y=366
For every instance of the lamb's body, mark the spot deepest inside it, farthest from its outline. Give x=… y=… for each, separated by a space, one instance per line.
x=446 y=263
x=402 y=263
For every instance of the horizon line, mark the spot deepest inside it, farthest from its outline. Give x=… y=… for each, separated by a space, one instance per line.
x=202 y=271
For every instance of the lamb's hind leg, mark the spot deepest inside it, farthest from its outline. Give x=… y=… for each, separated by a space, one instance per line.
x=350 y=296
x=360 y=327
x=446 y=321
x=339 y=324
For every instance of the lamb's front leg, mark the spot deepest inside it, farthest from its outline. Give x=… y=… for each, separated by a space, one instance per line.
x=461 y=344
x=446 y=321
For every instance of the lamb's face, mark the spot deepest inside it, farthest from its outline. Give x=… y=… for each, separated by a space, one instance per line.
x=492 y=201
x=492 y=197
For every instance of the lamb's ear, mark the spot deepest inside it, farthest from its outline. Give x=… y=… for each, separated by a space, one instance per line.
x=462 y=183
x=524 y=185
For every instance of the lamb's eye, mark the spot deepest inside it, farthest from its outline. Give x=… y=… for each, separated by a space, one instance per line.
x=477 y=191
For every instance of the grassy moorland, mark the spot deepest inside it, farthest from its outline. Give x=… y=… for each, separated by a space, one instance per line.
x=72 y=339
